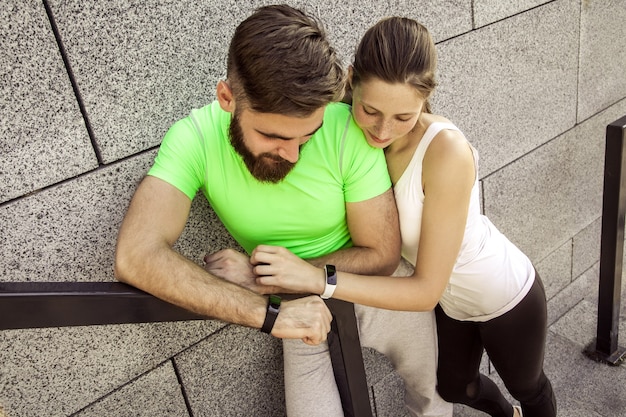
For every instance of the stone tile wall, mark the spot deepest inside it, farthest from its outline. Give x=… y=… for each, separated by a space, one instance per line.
x=87 y=90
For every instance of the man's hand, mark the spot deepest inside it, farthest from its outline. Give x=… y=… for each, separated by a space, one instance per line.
x=306 y=318
x=235 y=267
x=232 y=266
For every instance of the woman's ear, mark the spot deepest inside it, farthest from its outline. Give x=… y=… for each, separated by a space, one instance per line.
x=225 y=97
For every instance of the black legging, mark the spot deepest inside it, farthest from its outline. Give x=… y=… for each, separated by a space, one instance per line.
x=515 y=343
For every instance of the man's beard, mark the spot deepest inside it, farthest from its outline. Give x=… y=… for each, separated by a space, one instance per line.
x=266 y=167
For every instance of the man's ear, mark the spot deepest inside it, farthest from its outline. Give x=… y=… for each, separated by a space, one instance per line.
x=225 y=97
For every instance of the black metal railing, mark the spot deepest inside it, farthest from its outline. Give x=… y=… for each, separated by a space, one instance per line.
x=26 y=305
x=605 y=347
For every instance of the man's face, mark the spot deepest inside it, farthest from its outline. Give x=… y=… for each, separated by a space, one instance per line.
x=270 y=143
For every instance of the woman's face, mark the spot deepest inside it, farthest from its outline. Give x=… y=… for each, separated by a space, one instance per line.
x=385 y=112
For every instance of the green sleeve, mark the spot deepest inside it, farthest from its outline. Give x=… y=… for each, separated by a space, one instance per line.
x=363 y=167
x=181 y=160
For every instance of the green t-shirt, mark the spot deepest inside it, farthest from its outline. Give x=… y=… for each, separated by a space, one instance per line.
x=306 y=211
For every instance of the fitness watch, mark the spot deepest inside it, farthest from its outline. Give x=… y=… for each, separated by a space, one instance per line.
x=273 y=308
x=331 y=281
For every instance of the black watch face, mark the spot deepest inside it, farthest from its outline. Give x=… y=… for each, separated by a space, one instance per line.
x=331 y=275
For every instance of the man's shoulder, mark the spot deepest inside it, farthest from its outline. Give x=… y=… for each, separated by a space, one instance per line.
x=211 y=114
x=340 y=127
x=205 y=122
x=338 y=120
x=337 y=111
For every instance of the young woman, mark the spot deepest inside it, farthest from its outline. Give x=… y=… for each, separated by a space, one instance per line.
x=485 y=291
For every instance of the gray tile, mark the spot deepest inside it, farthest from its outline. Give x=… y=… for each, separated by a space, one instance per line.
x=386 y=386
x=586 y=247
x=43 y=138
x=583 y=387
x=237 y=372
x=517 y=88
x=444 y=19
x=602 y=56
x=347 y=22
x=461 y=410
x=59 y=371
x=593 y=295
x=580 y=323
x=68 y=232
x=543 y=199
x=377 y=365
x=204 y=233
x=388 y=397
x=486 y=367
x=556 y=269
x=141 y=67
x=583 y=287
x=489 y=11
x=156 y=393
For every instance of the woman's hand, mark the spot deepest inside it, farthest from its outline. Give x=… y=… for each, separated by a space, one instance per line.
x=277 y=266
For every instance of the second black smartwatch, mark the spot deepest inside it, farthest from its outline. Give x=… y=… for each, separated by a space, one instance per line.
x=273 y=308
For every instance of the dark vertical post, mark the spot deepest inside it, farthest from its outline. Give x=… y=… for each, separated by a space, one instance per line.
x=347 y=359
x=605 y=348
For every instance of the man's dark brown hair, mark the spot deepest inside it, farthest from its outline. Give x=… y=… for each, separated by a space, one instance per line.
x=280 y=61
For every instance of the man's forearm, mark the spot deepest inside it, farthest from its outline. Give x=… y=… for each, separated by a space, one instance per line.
x=359 y=260
x=170 y=276
x=177 y=280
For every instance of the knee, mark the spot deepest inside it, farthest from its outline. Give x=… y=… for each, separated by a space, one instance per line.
x=457 y=391
x=535 y=392
x=447 y=393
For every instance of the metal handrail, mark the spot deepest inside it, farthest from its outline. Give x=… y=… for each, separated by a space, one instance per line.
x=605 y=347
x=25 y=305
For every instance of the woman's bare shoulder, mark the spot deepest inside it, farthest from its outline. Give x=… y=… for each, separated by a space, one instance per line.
x=429 y=118
x=448 y=146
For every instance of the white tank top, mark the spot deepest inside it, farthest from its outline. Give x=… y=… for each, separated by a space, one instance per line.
x=491 y=275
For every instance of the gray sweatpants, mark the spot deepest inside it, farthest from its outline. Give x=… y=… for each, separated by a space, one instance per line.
x=408 y=339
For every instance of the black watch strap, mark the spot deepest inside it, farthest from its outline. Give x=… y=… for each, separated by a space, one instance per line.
x=273 y=308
